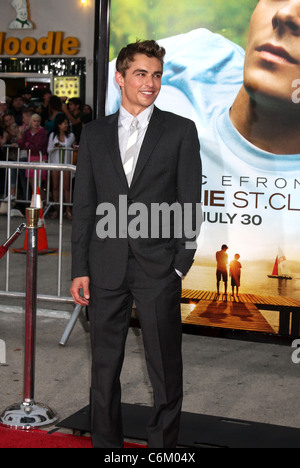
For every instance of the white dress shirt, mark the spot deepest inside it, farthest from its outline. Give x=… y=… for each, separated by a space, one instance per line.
x=125 y=120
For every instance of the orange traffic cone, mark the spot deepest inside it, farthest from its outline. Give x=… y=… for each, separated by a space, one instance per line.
x=43 y=248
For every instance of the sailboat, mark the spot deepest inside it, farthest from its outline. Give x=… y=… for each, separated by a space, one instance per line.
x=281 y=269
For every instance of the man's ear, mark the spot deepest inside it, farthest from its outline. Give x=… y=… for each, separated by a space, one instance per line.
x=119 y=79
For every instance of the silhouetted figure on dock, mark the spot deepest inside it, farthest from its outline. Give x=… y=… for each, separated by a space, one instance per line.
x=222 y=262
x=235 y=273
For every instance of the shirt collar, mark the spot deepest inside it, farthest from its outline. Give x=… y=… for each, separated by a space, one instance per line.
x=125 y=118
x=250 y=154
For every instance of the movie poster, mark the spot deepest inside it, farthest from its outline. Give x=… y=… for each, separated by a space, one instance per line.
x=233 y=68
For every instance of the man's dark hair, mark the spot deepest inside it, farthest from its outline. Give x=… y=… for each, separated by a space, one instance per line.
x=76 y=102
x=149 y=48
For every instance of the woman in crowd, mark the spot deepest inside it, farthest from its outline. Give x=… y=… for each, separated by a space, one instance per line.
x=35 y=139
x=59 y=139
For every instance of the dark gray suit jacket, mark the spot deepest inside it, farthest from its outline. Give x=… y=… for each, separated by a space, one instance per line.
x=168 y=171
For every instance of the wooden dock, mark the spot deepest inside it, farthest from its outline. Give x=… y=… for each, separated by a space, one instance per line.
x=241 y=312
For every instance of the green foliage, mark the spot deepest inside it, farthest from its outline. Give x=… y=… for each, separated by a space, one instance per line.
x=157 y=19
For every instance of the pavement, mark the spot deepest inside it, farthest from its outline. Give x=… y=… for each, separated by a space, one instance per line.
x=222 y=377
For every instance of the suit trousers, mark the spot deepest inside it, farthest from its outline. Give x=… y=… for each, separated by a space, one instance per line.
x=158 y=308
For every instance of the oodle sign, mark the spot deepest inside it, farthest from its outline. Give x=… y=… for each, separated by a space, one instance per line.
x=53 y=44
x=245 y=102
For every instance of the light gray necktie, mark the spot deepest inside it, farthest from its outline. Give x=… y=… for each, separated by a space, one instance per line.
x=131 y=150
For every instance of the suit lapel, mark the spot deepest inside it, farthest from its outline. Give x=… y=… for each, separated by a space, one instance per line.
x=112 y=136
x=153 y=134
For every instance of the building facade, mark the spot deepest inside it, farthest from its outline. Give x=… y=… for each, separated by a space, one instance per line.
x=48 y=44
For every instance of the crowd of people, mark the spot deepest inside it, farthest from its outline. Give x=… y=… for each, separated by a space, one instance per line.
x=33 y=131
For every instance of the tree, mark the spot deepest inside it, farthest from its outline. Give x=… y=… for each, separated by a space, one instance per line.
x=157 y=19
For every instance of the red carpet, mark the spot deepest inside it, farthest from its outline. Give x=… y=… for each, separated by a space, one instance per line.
x=12 y=438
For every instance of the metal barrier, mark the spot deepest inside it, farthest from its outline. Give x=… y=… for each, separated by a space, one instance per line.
x=57 y=298
x=63 y=154
x=29 y=414
x=24 y=156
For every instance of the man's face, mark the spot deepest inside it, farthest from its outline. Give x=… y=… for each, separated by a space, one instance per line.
x=141 y=84
x=272 y=59
x=72 y=107
x=18 y=103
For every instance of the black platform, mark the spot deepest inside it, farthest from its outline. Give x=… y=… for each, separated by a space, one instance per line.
x=199 y=431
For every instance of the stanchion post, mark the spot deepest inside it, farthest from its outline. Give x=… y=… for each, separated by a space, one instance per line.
x=29 y=414
x=32 y=215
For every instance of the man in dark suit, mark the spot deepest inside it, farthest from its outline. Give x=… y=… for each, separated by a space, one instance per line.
x=126 y=265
